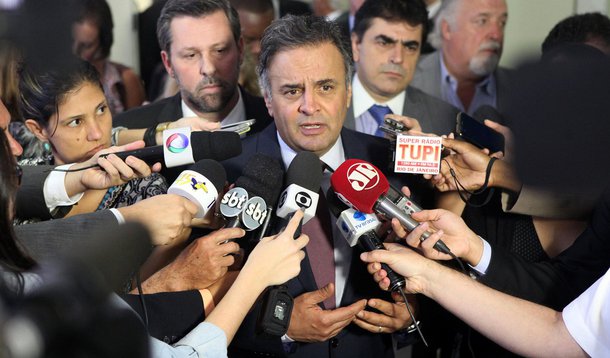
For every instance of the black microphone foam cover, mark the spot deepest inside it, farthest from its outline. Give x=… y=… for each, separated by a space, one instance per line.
x=262 y=176
x=212 y=170
x=215 y=145
x=305 y=170
x=335 y=205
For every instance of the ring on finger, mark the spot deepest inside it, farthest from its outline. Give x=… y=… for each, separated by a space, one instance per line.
x=379 y=329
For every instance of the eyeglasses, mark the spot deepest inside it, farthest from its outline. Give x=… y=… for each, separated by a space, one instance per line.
x=18 y=173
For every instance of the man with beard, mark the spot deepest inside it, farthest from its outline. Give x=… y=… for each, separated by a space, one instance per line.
x=386 y=43
x=464 y=71
x=202 y=49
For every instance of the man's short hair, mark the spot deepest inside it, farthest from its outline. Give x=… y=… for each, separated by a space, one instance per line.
x=413 y=12
x=193 y=8
x=446 y=12
x=291 y=32
x=579 y=29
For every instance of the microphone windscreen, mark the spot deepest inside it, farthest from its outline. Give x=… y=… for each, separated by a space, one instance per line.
x=213 y=171
x=335 y=205
x=488 y=112
x=359 y=184
x=305 y=170
x=215 y=145
x=262 y=176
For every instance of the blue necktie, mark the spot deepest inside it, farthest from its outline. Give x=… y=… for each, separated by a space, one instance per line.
x=378 y=112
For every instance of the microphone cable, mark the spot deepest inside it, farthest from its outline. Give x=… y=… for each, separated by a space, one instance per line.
x=415 y=322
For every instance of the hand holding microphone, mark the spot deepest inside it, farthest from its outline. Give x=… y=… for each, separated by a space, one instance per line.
x=363 y=186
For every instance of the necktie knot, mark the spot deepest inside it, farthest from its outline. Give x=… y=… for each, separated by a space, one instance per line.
x=378 y=112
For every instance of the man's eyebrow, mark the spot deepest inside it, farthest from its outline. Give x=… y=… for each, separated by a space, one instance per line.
x=326 y=81
x=385 y=38
x=289 y=86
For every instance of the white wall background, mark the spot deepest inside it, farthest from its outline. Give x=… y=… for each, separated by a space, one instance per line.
x=529 y=22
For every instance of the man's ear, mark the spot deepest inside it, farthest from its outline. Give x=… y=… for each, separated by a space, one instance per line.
x=445 y=30
x=267 y=98
x=349 y=94
x=355 y=50
x=167 y=63
x=37 y=129
x=240 y=49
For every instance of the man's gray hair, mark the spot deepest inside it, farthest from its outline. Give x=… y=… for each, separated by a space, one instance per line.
x=446 y=12
x=193 y=8
x=291 y=32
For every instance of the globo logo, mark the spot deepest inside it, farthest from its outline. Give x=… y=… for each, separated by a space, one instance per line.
x=177 y=142
x=359 y=216
x=362 y=176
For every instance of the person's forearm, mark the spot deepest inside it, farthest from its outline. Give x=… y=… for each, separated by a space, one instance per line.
x=130 y=135
x=231 y=310
x=504 y=176
x=523 y=327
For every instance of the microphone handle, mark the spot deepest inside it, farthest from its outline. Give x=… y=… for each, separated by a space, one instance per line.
x=299 y=228
x=389 y=209
x=370 y=241
x=264 y=227
x=150 y=155
x=232 y=222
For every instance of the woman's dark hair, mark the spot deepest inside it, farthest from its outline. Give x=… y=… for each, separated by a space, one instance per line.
x=42 y=90
x=12 y=257
x=99 y=13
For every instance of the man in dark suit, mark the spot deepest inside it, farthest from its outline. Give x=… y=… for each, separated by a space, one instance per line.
x=202 y=49
x=386 y=43
x=305 y=73
x=464 y=71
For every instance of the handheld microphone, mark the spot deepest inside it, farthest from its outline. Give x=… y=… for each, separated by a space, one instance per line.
x=360 y=229
x=303 y=179
x=201 y=184
x=180 y=147
x=363 y=187
x=248 y=204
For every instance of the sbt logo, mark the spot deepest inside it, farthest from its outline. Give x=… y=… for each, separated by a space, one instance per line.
x=234 y=200
x=256 y=209
x=362 y=176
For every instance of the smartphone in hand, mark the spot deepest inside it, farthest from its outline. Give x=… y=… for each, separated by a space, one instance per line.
x=477 y=133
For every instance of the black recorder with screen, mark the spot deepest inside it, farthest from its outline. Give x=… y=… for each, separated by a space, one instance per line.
x=477 y=133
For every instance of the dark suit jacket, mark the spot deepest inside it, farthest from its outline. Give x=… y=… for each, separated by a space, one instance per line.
x=434 y=115
x=428 y=79
x=169 y=109
x=352 y=341
x=171 y=315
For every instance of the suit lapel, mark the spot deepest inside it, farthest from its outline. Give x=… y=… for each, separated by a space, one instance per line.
x=172 y=111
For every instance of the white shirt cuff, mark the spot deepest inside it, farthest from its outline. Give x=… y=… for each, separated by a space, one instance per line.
x=286 y=339
x=119 y=217
x=481 y=267
x=54 y=190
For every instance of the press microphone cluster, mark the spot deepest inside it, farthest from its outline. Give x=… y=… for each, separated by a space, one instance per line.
x=201 y=183
x=363 y=186
x=183 y=147
x=249 y=204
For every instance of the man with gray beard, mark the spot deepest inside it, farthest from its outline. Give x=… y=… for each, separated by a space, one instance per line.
x=386 y=43
x=464 y=72
x=202 y=49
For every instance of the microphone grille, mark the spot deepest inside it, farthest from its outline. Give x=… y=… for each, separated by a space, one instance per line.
x=305 y=170
x=215 y=145
x=212 y=170
x=262 y=176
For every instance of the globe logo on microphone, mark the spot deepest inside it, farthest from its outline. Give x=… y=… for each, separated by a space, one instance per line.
x=177 y=143
x=359 y=216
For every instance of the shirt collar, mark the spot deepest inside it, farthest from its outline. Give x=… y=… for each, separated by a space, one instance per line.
x=362 y=100
x=237 y=114
x=333 y=158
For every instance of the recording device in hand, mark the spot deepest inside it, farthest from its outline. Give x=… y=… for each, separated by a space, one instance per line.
x=303 y=179
x=477 y=133
x=360 y=229
x=72 y=313
x=201 y=184
x=203 y=145
x=363 y=186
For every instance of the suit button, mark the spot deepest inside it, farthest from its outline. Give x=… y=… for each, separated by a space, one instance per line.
x=166 y=339
x=334 y=342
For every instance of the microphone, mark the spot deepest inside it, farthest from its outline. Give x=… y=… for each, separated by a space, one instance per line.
x=303 y=179
x=248 y=205
x=201 y=184
x=362 y=186
x=180 y=147
x=360 y=229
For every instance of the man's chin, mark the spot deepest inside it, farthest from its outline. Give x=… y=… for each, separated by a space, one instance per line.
x=483 y=65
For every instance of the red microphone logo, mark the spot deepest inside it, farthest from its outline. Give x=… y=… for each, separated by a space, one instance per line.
x=362 y=176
